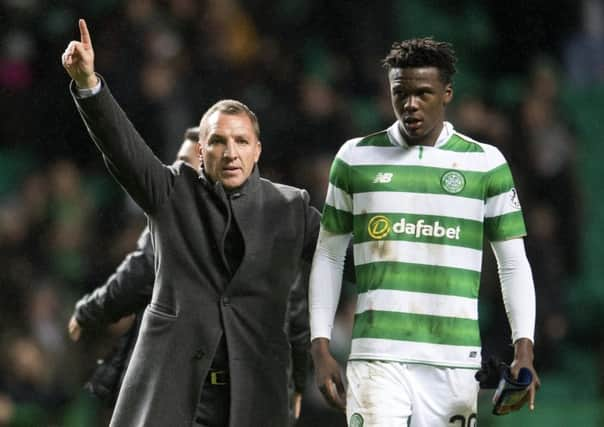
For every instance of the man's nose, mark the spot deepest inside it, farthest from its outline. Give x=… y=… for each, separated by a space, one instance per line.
x=410 y=103
x=230 y=150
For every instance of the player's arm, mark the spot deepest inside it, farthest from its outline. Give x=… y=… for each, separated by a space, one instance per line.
x=518 y=293
x=324 y=294
x=326 y=275
x=125 y=292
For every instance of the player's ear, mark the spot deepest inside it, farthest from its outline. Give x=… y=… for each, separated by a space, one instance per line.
x=448 y=94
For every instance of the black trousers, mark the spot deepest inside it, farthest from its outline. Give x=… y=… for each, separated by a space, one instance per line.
x=213 y=407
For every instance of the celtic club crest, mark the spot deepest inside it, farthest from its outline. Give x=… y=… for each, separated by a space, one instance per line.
x=452 y=182
x=356 y=420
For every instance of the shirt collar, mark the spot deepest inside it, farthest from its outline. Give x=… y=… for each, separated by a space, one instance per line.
x=396 y=138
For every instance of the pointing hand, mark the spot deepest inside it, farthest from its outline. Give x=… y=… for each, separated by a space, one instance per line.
x=78 y=59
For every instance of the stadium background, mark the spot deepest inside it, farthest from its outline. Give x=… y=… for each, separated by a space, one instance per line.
x=530 y=80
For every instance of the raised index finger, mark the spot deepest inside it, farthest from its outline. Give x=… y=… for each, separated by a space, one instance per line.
x=84 y=34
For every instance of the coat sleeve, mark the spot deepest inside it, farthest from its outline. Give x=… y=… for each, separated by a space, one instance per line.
x=126 y=291
x=127 y=156
x=298 y=329
x=298 y=325
x=312 y=225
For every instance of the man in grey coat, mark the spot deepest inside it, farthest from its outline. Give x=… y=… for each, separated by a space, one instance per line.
x=120 y=302
x=126 y=293
x=228 y=245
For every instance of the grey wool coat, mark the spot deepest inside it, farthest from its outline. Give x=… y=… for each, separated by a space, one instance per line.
x=196 y=298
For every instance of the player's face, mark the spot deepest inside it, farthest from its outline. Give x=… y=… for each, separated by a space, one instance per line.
x=230 y=149
x=419 y=99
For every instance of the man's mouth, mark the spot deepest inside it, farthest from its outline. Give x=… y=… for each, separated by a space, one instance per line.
x=412 y=123
x=230 y=170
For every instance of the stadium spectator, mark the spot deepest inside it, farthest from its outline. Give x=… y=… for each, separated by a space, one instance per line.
x=546 y=147
x=584 y=51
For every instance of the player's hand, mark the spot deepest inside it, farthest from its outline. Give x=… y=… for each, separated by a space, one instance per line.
x=328 y=375
x=74 y=328
x=523 y=358
x=78 y=59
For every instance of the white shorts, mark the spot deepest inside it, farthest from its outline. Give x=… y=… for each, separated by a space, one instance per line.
x=393 y=394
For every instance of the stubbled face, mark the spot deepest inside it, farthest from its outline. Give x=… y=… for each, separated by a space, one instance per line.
x=419 y=99
x=229 y=149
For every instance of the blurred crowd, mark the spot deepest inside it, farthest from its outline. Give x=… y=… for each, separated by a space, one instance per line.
x=311 y=71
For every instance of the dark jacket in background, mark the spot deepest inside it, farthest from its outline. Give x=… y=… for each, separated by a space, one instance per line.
x=196 y=298
x=127 y=291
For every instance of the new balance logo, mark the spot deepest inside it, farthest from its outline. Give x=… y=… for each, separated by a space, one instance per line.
x=382 y=178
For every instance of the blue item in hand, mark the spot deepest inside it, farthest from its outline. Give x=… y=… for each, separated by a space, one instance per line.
x=510 y=391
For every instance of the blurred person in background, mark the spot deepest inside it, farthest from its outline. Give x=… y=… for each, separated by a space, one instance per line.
x=583 y=52
x=418 y=257
x=30 y=393
x=70 y=214
x=128 y=291
x=546 y=155
x=211 y=349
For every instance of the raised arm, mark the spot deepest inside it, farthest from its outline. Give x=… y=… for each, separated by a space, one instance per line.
x=126 y=154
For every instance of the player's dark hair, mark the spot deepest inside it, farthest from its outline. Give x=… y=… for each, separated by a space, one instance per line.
x=192 y=134
x=423 y=52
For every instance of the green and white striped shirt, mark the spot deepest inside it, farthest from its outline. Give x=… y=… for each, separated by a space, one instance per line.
x=418 y=216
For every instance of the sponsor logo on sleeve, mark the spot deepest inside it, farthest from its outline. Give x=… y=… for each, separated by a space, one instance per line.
x=514 y=200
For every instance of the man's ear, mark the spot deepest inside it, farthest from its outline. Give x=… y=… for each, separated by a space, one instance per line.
x=259 y=151
x=448 y=94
